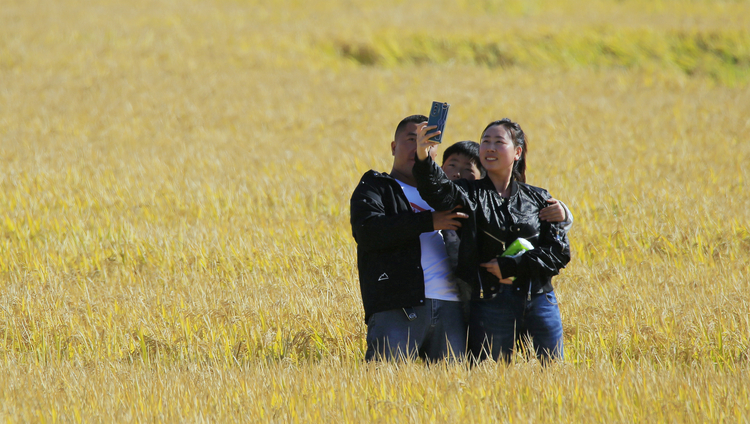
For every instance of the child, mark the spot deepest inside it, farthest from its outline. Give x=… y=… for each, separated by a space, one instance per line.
x=460 y=160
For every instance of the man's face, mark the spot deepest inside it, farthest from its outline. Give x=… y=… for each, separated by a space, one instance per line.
x=404 y=147
x=461 y=166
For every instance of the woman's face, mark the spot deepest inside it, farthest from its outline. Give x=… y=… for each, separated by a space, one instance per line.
x=496 y=150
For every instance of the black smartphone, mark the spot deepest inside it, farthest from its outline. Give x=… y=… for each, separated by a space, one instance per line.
x=438 y=116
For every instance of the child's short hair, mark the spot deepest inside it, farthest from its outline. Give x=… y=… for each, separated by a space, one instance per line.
x=470 y=149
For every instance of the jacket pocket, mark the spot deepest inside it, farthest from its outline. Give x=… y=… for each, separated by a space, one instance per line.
x=526 y=227
x=394 y=273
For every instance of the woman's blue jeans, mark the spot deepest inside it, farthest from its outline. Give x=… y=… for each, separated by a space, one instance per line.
x=499 y=325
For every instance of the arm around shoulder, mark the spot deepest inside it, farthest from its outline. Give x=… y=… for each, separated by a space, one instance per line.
x=568 y=223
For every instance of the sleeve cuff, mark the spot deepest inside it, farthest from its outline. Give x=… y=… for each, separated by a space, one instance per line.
x=508 y=265
x=568 y=214
x=425 y=222
x=421 y=166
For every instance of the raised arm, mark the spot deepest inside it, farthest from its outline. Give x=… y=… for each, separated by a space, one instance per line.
x=433 y=185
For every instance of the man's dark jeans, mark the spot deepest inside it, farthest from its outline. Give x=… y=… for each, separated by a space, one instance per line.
x=438 y=331
x=497 y=325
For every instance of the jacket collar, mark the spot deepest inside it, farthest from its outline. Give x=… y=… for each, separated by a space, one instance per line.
x=513 y=186
x=382 y=175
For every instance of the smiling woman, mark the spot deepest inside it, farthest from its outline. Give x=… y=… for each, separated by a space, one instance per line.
x=502 y=149
x=512 y=296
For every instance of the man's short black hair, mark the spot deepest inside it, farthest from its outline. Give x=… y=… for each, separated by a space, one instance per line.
x=470 y=149
x=413 y=119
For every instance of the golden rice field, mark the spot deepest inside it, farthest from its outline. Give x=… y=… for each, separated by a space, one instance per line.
x=174 y=204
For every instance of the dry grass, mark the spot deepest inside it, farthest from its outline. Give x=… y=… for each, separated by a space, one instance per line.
x=174 y=237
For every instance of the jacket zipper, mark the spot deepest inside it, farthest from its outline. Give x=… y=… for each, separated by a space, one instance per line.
x=479 y=276
x=481 y=287
x=528 y=297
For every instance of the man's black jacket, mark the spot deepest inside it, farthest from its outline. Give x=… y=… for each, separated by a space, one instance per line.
x=492 y=225
x=389 y=254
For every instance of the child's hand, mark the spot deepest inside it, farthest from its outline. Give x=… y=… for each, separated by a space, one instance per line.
x=494 y=269
x=553 y=213
x=423 y=140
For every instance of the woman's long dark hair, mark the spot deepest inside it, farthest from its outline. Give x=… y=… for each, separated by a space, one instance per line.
x=519 y=140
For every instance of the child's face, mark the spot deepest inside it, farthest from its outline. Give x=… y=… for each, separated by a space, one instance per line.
x=461 y=166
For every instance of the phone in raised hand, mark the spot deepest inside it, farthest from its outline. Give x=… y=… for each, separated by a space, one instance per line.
x=438 y=116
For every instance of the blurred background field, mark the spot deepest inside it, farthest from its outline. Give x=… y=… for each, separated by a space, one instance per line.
x=174 y=204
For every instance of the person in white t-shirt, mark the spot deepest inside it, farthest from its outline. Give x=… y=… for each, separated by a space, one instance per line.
x=411 y=302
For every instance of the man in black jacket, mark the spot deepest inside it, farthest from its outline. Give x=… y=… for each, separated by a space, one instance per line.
x=408 y=289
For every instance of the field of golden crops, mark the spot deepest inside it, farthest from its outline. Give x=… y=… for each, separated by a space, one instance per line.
x=174 y=204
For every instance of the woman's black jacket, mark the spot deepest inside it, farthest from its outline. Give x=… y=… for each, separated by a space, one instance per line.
x=492 y=225
x=389 y=253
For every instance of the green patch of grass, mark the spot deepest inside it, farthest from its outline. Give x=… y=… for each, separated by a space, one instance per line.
x=721 y=55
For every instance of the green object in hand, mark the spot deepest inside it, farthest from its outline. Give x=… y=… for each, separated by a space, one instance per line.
x=518 y=247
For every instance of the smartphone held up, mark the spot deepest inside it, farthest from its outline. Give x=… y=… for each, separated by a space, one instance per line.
x=438 y=116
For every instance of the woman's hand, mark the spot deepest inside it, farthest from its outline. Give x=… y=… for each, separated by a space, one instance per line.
x=494 y=269
x=552 y=213
x=424 y=144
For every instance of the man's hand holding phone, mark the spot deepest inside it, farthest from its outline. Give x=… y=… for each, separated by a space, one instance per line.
x=424 y=133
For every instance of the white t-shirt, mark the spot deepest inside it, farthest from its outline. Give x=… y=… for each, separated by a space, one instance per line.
x=438 y=275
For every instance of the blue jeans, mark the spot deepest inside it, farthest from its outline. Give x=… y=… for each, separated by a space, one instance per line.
x=438 y=331
x=496 y=326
